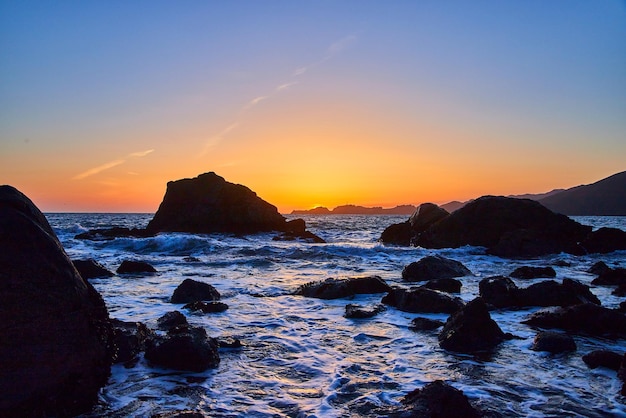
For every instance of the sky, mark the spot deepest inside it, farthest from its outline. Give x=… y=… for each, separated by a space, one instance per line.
x=309 y=103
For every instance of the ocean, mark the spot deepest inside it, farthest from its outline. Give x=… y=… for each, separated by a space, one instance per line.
x=300 y=356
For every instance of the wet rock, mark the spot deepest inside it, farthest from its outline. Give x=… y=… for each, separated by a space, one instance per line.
x=603 y=358
x=605 y=240
x=206 y=307
x=130 y=267
x=397 y=234
x=499 y=292
x=611 y=277
x=553 y=342
x=184 y=348
x=528 y=272
x=422 y=300
x=471 y=329
x=425 y=324
x=305 y=236
x=405 y=233
x=229 y=342
x=358 y=312
x=434 y=267
x=587 y=319
x=90 y=269
x=507 y=227
x=131 y=338
x=598 y=268
x=191 y=291
x=57 y=341
x=171 y=320
x=341 y=288
x=444 y=285
x=437 y=400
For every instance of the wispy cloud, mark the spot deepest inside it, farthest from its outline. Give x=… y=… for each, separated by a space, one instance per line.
x=111 y=164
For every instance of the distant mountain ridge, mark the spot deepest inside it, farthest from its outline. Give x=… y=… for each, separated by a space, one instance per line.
x=606 y=197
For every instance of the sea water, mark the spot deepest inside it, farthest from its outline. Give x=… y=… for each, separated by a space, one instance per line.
x=300 y=356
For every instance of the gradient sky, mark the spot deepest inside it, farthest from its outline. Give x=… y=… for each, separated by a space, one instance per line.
x=309 y=103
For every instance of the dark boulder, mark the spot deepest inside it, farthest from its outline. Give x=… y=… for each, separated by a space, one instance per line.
x=598 y=268
x=422 y=300
x=184 y=348
x=444 y=285
x=471 y=329
x=506 y=227
x=553 y=342
x=131 y=338
x=208 y=204
x=206 y=307
x=57 y=341
x=132 y=267
x=358 y=312
x=434 y=267
x=620 y=290
x=529 y=272
x=171 y=320
x=191 y=291
x=405 y=233
x=425 y=324
x=587 y=318
x=603 y=358
x=397 y=234
x=499 y=292
x=437 y=400
x=611 y=277
x=341 y=288
x=90 y=269
x=605 y=240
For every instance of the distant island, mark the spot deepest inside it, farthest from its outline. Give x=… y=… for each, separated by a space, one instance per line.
x=606 y=197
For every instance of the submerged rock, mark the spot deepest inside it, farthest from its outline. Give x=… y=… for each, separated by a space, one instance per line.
x=358 y=312
x=192 y=291
x=553 y=342
x=425 y=324
x=206 y=307
x=341 y=288
x=57 y=341
x=422 y=300
x=471 y=329
x=434 y=267
x=90 y=269
x=437 y=400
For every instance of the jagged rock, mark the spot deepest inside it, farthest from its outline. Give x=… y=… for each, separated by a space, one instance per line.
x=599 y=268
x=611 y=277
x=507 y=227
x=90 y=269
x=529 y=272
x=587 y=318
x=206 y=307
x=434 y=267
x=57 y=341
x=208 y=203
x=131 y=338
x=553 y=342
x=184 y=348
x=605 y=240
x=501 y=292
x=444 y=285
x=603 y=358
x=191 y=291
x=422 y=300
x=358 y=312
x=130 y=267
x=471 y=329
x=425 y=324
x=437 y=400
x=341 y=288
x=405 y=233
x=171 y=320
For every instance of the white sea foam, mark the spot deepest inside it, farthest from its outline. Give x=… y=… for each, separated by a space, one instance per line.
x=301 y=357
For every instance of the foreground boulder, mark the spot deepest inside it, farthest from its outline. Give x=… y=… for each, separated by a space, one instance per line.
x=507 y=227
x=587 y=319
x=471 y=329
x=184 y=348
x=208 y=203
x=422 y=300
x=192 y=291
x=57 y=341
x=342 y=288
x=405 y=233
x=434 y=267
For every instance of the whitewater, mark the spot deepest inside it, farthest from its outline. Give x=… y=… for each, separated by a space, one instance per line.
x=300 y=356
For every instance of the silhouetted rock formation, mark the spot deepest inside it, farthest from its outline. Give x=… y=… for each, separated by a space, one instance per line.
x=357 y=210
x=605 y=240
x=341 y=288
x=434 y=267
x=405 y=233
x=606 y=197
x=57 y=341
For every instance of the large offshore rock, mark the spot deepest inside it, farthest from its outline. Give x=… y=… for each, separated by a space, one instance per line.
x=56 y=343
x=405 y=233
x=507 y=227
x=208 y=203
